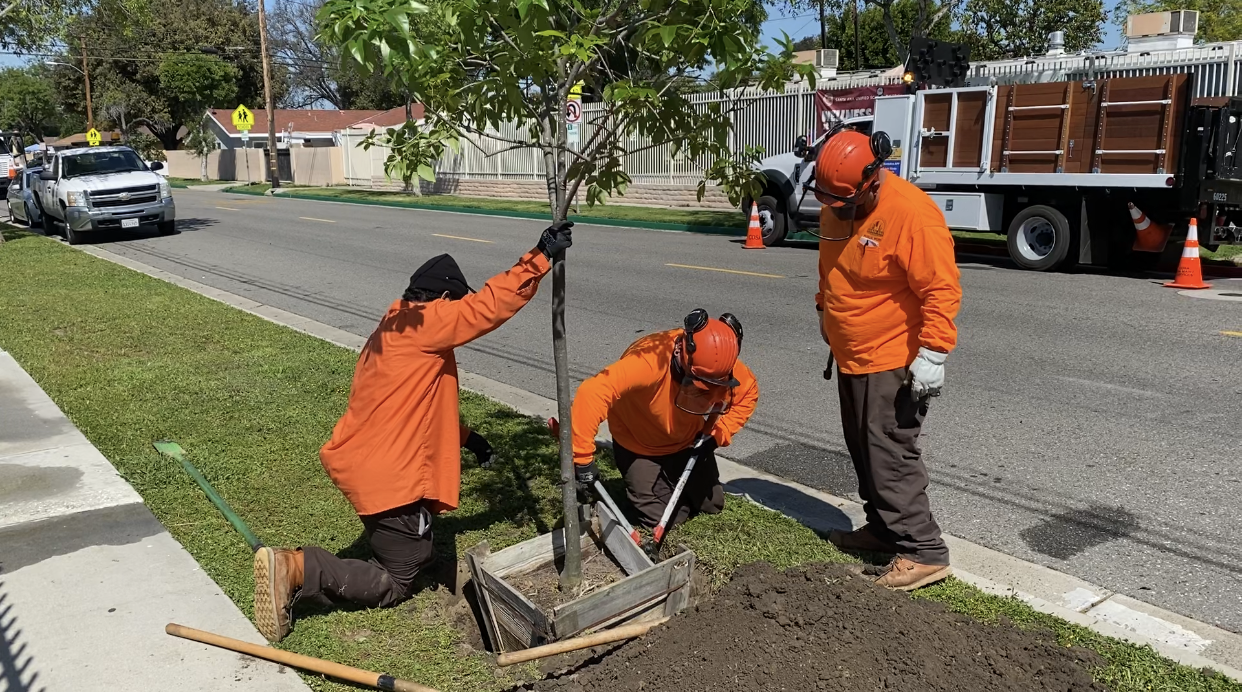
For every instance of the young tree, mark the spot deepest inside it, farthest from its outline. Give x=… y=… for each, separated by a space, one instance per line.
x=488 y=62
x=1219 y=20
x=1018 y=28
x=201 y=142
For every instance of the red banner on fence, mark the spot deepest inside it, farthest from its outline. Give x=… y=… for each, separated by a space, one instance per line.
x=843 y=104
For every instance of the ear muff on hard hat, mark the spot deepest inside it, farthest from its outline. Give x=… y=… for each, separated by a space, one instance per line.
x=707 y=353
x=846 y=165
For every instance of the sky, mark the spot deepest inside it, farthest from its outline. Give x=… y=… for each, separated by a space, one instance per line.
x=796 y=27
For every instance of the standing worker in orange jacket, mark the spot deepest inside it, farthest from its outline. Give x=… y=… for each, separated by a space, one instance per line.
x=888 y=292
x=396 y=452
x=659 y=399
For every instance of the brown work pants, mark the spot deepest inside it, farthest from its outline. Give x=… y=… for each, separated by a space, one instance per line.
x=882 y=425
x=401 y=546
x=649 y=483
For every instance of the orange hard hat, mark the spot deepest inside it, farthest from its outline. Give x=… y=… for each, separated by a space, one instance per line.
x=845 y=163
x=711 y=347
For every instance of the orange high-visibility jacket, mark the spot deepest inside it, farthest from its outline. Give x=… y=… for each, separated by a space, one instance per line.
x=637 y=393
x=893 y=286
x=400 y=439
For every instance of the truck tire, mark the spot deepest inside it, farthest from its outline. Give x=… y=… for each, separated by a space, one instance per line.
x=1039 y=238
x=166 y=227
x=73 y=237
x=772 y=220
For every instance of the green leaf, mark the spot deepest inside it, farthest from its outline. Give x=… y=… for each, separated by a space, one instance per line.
x=426 y=173
x=668 y=33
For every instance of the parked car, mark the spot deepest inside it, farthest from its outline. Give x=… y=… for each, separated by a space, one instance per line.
x=22 y=205
x=101 y=189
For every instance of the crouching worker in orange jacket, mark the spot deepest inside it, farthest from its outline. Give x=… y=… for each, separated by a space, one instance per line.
x=396 y=452
x=888 y=292
x=667 y=390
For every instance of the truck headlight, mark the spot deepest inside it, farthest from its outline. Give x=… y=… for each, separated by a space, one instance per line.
x=75 y=198
x=165 y=189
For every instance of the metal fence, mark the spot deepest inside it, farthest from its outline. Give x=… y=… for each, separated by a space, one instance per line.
x=773 y=120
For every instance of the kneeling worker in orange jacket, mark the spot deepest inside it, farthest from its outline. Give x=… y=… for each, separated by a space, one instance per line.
x=667 y=390
x=396 y=452
x=888 y=292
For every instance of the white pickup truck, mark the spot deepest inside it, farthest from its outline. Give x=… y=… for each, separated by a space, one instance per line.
x=103 y=189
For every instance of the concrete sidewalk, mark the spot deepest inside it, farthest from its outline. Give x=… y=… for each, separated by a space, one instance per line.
x=89 y=577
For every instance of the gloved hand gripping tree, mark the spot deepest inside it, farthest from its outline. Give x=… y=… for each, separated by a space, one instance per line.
x=476 y=65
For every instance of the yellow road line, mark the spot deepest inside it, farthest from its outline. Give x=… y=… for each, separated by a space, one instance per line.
x=457 y=237
x=311 y=218
x=1238 y=334
x=727 y=271
x=228 y=208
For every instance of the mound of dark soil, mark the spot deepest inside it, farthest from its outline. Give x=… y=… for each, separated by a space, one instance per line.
x=823 y=628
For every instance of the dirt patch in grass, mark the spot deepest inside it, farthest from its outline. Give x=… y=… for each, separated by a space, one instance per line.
x=824 y=628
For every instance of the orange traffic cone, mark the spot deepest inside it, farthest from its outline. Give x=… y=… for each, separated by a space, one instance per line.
x=1149 y=237
x=1189 y=273
x=754 y=234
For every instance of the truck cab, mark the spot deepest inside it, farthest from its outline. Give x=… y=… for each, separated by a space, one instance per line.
x=94 y=189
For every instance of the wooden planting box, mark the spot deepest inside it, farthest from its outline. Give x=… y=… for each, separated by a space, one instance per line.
x=647 y=591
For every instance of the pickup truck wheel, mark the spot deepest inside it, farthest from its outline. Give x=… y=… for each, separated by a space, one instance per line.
x=73 y=237
x=1039 y=238
x=166 y=227
x=771 y=220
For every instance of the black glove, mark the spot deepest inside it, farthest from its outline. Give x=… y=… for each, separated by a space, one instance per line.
x=586 y=475
x=556 y=239
x=705 y=444
x=482 y=450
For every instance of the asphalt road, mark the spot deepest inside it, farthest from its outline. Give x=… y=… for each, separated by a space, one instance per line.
x=1090 y=423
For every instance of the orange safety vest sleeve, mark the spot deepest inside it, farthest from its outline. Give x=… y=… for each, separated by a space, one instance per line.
x=399 y=441
x=637 y=396
x=931 y=269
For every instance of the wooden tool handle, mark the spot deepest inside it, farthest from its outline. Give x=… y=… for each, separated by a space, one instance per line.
x=606 y=637
x=288 y=658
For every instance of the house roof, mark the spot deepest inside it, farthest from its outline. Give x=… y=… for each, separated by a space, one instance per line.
x=389 y=118
x=80 y=139
x=311 y=120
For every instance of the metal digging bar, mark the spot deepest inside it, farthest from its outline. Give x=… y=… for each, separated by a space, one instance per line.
x=174 y=450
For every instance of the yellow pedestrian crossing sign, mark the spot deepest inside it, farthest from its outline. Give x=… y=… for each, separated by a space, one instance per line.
x=243 y=119
x=93 y=137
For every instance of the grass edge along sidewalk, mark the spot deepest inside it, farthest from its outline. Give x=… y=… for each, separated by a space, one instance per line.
x=131 y=359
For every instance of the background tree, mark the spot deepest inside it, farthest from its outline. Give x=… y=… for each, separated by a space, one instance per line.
x=1018 y=28
x=924 y=17
x=137 y=54
x=1219 y=20
x=877 y=49
x=201 y=142
x=27 y=25
x=318 y=73
x=488 y=62
x=27 y=101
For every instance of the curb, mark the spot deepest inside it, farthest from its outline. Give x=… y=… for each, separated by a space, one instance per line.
x=595 y=220
x=1177 y=637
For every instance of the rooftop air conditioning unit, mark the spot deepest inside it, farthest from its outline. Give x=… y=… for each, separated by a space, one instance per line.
x=1162 y=23
x=827 y=58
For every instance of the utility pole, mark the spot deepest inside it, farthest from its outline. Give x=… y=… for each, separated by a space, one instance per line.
x=858 y=56
x=272 y=153
x=86 y=74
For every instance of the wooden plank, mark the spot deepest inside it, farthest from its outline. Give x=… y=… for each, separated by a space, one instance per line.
x=646 y=587
x=937 y=113
x=619 y=545
x=529 y=554
x=998 y=125
x=527 y=613
x=679 y=600
x=1063 y=142
x=969 y=130
x=474 y=557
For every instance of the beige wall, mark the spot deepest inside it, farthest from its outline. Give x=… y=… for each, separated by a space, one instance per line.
x=317 y=166
x=225 y=164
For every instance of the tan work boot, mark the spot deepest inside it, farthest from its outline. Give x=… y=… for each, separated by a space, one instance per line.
x=860 y=540
x=907 y=575
x=277 y=579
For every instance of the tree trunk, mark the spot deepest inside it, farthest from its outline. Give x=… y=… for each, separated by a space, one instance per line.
x=204 y=167
x=553 y=134
x=859 y=63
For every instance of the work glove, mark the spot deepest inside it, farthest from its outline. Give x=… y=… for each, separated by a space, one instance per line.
x=926 y=376
x=556 y=239
x=482 y=450
x=585 y=475
x=823 y=331
x=705 y=444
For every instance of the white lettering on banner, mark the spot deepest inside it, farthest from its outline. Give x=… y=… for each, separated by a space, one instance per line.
x=835 y=106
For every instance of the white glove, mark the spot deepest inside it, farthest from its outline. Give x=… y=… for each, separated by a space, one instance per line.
x=926 y=376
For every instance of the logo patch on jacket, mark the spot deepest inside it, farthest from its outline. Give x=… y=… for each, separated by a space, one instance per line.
x=874 y=232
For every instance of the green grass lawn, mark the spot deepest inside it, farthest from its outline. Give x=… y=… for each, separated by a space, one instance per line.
x=131 y=359
x=692 y=217
x=190 y=182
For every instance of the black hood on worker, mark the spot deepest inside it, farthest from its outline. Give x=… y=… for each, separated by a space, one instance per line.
x=438 y=275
